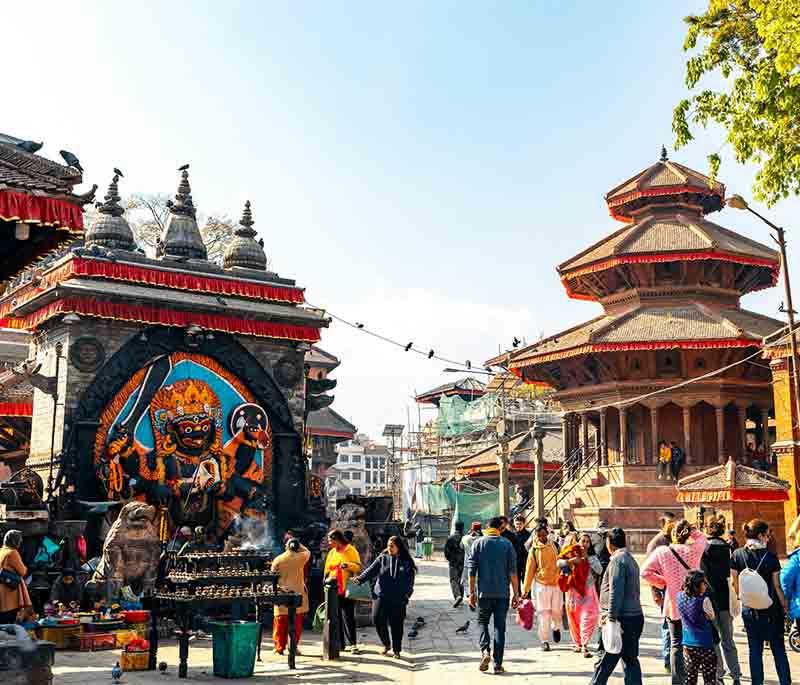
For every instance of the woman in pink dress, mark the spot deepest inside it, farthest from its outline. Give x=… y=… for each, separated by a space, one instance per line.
x=665 y=569
x=583 y=606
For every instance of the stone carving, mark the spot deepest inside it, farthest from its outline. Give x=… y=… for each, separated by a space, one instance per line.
x=352 y=517
x=131 y=551
x=87 y=354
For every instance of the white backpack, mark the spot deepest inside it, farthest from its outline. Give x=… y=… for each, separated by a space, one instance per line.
x=753 y=589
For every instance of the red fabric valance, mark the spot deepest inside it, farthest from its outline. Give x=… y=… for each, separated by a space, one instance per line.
x=16 y=409
x=40 y=210
x=732 y=495
x=165 y=317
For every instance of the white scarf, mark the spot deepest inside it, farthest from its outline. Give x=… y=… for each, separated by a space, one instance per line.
x=755 y=544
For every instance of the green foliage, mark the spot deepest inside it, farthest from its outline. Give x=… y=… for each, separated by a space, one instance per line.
x=754 y=45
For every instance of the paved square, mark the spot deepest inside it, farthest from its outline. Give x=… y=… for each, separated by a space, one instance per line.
x=438 y=656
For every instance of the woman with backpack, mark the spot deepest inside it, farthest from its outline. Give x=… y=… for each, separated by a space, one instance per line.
x=665 y=569
x=790 y=575
x=755 y=572
x=394 y=572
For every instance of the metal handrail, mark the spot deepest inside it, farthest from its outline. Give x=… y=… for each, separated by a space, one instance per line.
x=592 y=460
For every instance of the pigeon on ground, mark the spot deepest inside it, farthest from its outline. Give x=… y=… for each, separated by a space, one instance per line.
x=464 y=628
x=119 y=173
x=71 y=159
x=413 y=633
x=408 y=347
x=183 y=167
x=116 y=673
x=162 y=667
x=420 y=621
x=29 y=146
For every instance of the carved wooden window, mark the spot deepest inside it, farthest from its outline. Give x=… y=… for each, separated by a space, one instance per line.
x=668 y=363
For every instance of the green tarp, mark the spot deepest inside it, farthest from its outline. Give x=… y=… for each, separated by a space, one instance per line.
x=463 y=506
x=459 y=417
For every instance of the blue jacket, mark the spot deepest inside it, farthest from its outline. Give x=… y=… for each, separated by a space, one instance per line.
x=395 y=578
x=493 y=560
x=790 y=584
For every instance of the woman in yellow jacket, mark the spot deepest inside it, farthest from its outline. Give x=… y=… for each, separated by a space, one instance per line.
x=342 y=563
x=291 y=567
x=16 y=598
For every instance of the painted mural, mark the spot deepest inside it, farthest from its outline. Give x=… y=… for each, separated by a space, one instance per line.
x=186 y=434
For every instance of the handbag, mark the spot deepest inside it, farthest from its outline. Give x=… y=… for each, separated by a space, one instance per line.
x=358 y=592
x=319 y=618
x=10 y=579
x=525 y=612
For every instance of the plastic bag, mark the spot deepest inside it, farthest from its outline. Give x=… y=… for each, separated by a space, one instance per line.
x=525 y=614
x=358 y=592
x=734 y=606
x=612 y=637
x=319 y=618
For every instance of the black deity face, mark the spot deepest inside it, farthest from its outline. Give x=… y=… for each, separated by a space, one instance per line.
x=251 y=420
x=193 y=433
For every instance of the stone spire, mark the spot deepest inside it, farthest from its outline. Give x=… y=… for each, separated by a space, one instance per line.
x=244 y=251
x=181 y=236
x=111 y=230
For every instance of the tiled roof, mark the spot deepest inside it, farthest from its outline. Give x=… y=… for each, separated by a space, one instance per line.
x=30 y=172
x=659 y=233
x=649 y=325
x=521 y=449
x=665 y=173
x=464 y=386
x=326 y=422
x=316 y=356
x=732 y=475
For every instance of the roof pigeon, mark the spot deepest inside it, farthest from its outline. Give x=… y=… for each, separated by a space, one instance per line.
x=116 y=673
x=516 y=342
x=71 y=159
x=464 y=628
x=29 y=146
x=408 y=347
x=119 y=173
x=183 y=167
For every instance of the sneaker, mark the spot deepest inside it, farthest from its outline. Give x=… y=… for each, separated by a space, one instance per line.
x=458 y=602
x=545 y=646
x=484 y=665
x=667 y=669
x=556 y=636
x=576 y=648
x=355 y=650
x=279 y=652
x=385 y=651
x=396 y=655
x=586 y=653
x=498 y=669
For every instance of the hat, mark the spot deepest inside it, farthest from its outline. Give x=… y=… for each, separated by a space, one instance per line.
x=476 y=525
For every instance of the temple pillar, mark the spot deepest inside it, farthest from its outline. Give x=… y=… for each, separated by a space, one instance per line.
x=623 y=437
x=654 y=435
x=687 y=434
x=565 y=434
x=765 y=441
x=585 y=434
x=719 y=412
x=742 y=416
x=603 y=439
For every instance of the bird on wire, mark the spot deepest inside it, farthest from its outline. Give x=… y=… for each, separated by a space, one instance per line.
x=409 y=346
x=463 y=629
x=119 y=173
x=29 y=146
x=430 y=354
x=71 y=159
x=469 y=364
x=359 y=325
x=183 y=167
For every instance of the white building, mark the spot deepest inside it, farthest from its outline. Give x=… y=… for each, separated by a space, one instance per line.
x=359 y=469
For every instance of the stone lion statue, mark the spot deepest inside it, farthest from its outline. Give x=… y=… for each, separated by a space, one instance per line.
x=131 y=551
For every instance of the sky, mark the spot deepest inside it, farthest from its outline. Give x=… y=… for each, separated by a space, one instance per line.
x=420 y=167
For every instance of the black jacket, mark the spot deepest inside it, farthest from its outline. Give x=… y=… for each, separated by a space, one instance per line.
x=395 y=578
x=453 y=551
x=716 y=564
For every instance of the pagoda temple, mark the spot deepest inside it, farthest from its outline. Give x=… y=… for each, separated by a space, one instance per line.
x=670 y=283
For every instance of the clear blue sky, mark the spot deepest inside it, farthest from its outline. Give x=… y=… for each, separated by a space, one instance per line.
x=419 y=166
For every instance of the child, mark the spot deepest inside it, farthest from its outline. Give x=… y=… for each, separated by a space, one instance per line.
x=698 y=634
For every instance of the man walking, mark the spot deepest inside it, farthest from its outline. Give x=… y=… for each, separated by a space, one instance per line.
x=620 y=603
x=523 y=535
x=678 y=458
x=454 y=553
x=541 y=573
x=492 y=567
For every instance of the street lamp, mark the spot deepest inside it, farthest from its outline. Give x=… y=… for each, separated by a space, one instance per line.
x=738 y=202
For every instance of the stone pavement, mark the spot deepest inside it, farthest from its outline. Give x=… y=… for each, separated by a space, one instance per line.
x=436 y=656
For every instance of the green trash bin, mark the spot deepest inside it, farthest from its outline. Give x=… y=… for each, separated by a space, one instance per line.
x=427 y=547
x=234 y=645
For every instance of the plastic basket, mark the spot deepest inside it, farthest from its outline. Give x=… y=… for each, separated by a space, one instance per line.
x=134 y=661
x=60 y=636
x=125 y=637
x=92 y=642
x=234 y=648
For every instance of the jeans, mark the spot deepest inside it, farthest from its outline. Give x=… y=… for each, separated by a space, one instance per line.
x=724 y=625
x=8 y=617
x=677 y=668
x=665 y=642
x=418 y=549
x=664 y=469
x=388 y=618
x=496 y=607
x=761 y=627
x=455 y=581
x=347 y=622
x=632 y=627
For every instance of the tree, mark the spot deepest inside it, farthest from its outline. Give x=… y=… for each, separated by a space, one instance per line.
x=148 y=214
x=754 y=45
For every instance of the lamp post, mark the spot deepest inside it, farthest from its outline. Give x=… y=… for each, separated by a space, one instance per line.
x=738 y=202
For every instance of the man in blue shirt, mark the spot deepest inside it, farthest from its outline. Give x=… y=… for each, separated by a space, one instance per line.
x=492 y=568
